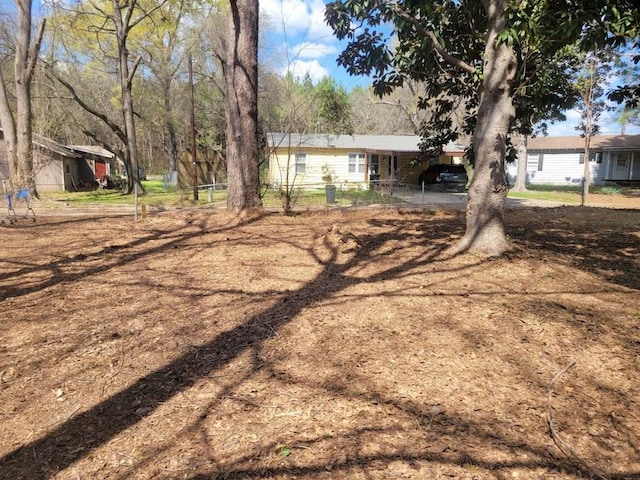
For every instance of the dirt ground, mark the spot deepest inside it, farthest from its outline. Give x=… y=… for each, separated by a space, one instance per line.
x=327 y=345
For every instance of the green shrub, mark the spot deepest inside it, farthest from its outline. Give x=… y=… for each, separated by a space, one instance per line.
x=609 y=190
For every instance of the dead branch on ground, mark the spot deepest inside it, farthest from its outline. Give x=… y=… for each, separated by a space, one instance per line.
x=559 y=441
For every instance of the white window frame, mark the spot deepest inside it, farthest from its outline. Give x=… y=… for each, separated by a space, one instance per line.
x=357 y=163
x=300 y=163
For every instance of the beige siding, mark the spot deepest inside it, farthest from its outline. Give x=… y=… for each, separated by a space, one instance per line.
x=336 y=161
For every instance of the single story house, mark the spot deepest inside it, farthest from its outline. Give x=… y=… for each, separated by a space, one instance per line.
x=61 y=168
x=560 y=160
x=357 y=159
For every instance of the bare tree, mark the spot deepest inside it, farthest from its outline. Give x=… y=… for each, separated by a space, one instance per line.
x=111 y=22
x=18 y=131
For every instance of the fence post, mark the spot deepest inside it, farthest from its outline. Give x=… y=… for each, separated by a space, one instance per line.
x=423 y=199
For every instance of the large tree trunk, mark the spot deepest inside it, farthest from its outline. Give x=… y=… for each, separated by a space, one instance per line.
x=25 y=61
x=241 y=79
x=8 y=125
x=24 y=175
x=485 y=231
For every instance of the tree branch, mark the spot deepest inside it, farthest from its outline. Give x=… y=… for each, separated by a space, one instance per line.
x=450 y=59
x=563 y=445
x=114 y=127
x=145 y=14
x=132 y=72
x=35 y=50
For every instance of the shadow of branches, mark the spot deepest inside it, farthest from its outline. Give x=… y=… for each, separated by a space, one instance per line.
x=275 y=361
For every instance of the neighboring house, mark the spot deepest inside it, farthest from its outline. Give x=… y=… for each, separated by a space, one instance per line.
x=560 y=160
x=359 y=159
x=61 y=168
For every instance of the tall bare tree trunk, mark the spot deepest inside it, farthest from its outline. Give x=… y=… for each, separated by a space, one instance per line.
x=8 y=125
x=241 y=80
x=24 y=175
x=170 y=141
x=25 y=61
x=586 y=180
x=122 y=27
x=521 y=174
x=485 y=231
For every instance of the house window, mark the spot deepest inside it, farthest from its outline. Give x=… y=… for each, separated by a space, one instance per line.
x=593 y=157
x=534 y=162
x=67 y=168
x=301 y=162
x=621 y=161
x=356 y=163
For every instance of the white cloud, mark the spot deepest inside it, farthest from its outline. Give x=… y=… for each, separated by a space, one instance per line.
x=297 y=18
x=608 y=125
x=313 y=50
x=299 y=68
x=568 y=127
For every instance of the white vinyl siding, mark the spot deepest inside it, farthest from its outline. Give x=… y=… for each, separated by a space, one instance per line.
x=534 y=162
x=559 y=168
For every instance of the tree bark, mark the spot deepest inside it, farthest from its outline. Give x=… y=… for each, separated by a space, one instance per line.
x=24 y=175
x=8 y=125
x=485 y=232
x=122 y=26
x=241 y=80
x=170 y=141
x=26 y=57
x=521 y=175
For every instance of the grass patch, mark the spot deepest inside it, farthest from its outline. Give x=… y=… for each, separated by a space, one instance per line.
x=564 y=196
x=155 y=195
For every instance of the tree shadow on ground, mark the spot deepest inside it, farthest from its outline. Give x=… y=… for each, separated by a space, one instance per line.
x=77 y=437
x=587 y=243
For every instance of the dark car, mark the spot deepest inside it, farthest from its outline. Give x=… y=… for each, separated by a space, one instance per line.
x=450 y=175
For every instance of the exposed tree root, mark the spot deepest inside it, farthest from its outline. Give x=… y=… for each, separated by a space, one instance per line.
x=561 y=443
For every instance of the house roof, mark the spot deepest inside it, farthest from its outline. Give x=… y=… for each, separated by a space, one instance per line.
x=92 y=149
x=387 y=143
x=53 y=146
x=71 y=151
x=576 y=142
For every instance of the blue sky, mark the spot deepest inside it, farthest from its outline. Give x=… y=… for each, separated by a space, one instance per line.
x=300 y=41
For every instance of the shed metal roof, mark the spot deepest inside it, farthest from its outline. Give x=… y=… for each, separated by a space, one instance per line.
x=92 y=149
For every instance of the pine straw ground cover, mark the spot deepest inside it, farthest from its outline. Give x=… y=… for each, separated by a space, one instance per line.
x=319 y=346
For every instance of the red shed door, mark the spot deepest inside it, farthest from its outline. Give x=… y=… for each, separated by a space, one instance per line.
x=101 y=169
